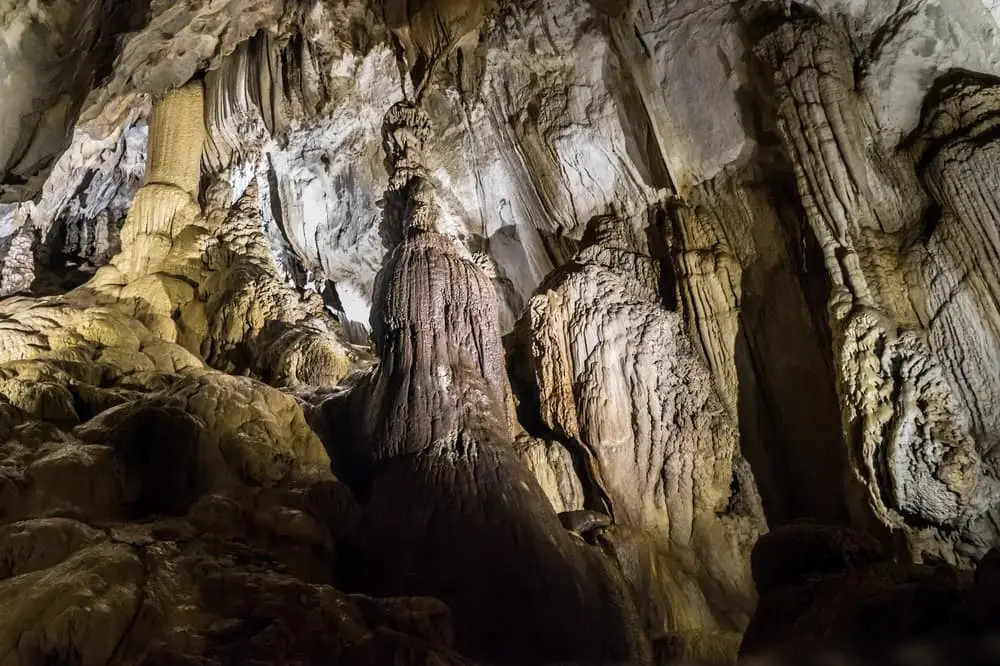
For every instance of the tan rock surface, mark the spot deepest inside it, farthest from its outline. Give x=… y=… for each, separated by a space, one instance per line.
x=619 y=382
x=743 y=252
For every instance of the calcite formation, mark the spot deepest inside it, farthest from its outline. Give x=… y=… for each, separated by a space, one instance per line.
x=911 y=450
x=454 y=331
x=449 y=509
x=618 y=380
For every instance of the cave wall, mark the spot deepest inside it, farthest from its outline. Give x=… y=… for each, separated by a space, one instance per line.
x=595 y=293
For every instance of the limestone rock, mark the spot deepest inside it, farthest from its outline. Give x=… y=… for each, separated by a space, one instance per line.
x=905 y=426
x=552 y=464
x=193 y=519
x=447 y=503
x=197 y=518
x=957 y=156
x=742 y=252
x=920 y=465
x=18 y=271
x=660 y=446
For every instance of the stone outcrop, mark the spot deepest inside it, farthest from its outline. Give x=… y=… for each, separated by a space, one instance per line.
x=195 y=519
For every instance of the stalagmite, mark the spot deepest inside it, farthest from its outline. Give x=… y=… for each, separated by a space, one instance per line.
x=165 y=208
x=18 y=272
x=449 y=509
x=146 y=498
x=619 y=382
x=253 y=320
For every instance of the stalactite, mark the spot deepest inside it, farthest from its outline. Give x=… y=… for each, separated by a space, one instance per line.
x=709 y=279
x=714 y=267
x=821 y=124
x=427 y=32
x=234 y=122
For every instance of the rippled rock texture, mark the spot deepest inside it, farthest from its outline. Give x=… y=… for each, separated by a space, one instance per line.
x=477 y=331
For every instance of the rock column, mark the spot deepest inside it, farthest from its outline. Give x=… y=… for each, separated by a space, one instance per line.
x=450 y=509
x=915 y=476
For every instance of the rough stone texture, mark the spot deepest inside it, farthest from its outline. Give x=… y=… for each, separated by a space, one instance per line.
x=52 y=55
x=553 y=465
x=153 y=509
x=448 y=507
x=914 y=452
x=206 y=279
x=229 y=547
x=958 y=146
x=620 y=384
x=735 y=246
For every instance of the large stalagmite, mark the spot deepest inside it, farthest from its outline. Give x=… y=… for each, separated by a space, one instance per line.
x=618 y=381
x=449 y=509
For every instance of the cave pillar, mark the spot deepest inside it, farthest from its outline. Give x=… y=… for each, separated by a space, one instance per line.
x=450 y=509
x=915 y=473
x=167 y=202
x=176 y=136
x=159 y=265
x=450 y=297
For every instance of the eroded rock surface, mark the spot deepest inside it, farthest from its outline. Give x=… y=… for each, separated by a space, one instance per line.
x=617 y=380
x=915 y=454
x=647 y=278
x=449 y=509
x=155 y=509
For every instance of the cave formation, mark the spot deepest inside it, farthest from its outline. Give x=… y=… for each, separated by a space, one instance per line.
x=499 y=332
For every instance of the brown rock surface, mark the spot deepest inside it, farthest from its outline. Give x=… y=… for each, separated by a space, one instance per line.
x=283 y=380
x=155 y=510
x=448 y=507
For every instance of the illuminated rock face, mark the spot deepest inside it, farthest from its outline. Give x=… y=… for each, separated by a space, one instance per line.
x=438 y=331
x=449 y=508
x=146 y=497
